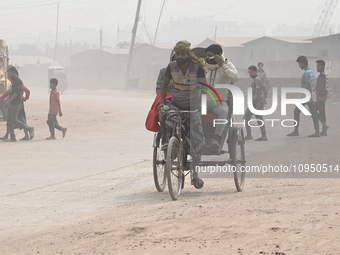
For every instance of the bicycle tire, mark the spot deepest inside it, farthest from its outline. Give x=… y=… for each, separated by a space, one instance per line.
x=173 y=167
x=159 y=169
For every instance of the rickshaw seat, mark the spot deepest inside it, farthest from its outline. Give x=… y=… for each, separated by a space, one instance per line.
x=209 y=118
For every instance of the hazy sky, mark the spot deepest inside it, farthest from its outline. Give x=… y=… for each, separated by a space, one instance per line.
x=25 y=20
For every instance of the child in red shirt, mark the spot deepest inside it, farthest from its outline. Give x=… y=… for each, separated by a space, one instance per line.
x=55 y=108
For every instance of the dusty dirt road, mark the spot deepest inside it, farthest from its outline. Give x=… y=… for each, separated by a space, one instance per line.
x=93 y=193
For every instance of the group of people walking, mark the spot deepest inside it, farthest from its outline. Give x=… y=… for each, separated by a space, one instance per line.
x=15 y=97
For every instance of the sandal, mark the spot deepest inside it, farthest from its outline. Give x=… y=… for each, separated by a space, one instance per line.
x=164 y=147
x=25 y=139
x=197 y=182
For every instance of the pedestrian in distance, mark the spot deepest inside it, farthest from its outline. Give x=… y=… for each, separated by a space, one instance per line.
x=262 y=74
x=55 y=109
x=321 y=95
x=257 y=103
x=307 y=82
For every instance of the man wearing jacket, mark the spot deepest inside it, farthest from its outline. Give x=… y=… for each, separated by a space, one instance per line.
x=219 y=71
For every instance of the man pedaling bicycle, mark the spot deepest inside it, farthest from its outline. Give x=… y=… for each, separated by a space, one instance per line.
x=187 y=72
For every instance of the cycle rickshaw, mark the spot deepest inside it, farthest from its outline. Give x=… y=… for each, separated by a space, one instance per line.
x=173 y=164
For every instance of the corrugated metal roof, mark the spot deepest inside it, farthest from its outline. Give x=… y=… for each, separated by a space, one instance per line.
x=111 y=51
x=117 y=51
x=167 y=45
x=325 y=37
x=290 y=39
x=31 y=60
x=228 y=41
x=240 y=41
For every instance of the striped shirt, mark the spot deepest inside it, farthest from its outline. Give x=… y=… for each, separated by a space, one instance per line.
x=185 y=94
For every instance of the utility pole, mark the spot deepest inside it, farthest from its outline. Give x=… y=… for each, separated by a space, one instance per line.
x=56 y=37
x=132 y=44
x=101 y=39
x=215 y=34
x=70 y=41
x=117 y=36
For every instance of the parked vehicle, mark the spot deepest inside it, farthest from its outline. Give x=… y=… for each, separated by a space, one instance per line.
x=60 y=73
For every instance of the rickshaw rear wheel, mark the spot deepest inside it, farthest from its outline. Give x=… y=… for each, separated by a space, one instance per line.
x=237 y=154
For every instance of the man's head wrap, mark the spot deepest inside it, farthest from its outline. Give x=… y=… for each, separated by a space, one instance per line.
x=182 y=46
x=185 y=46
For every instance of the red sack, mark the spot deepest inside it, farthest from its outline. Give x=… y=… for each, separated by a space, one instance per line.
x=151 y=122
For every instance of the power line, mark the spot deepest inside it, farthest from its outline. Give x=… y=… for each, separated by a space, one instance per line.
x=159 y=19
x=146 y=31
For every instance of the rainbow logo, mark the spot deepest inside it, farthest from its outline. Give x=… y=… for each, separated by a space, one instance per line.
x=209 y=93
